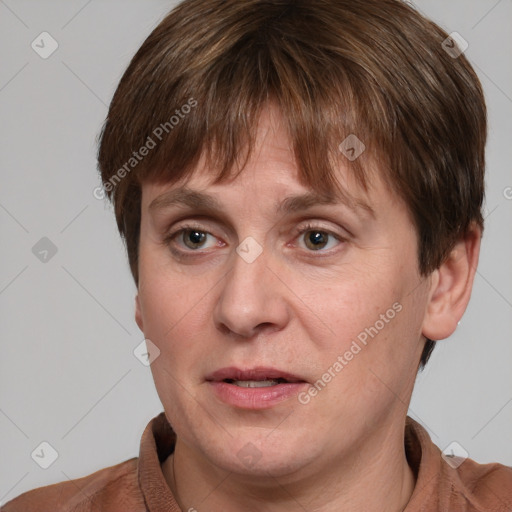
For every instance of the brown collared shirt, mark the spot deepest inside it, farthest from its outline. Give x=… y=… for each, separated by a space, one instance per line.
x=138 y=484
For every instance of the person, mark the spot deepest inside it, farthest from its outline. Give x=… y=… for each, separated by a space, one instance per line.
x=299 y=185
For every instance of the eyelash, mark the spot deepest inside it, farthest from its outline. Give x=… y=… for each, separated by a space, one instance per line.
x=169 y=239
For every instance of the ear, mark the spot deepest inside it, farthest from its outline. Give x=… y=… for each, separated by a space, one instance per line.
x=138 y=313
x=451 y=286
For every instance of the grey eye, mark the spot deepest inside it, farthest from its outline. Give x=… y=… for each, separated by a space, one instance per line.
x=193 y=239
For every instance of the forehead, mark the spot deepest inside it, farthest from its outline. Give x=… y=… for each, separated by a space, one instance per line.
x=260 y=184
x=271 y=170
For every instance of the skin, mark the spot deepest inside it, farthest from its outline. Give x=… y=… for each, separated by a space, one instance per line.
x=297 y=308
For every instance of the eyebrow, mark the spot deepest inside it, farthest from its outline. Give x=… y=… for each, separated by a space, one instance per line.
x=188 y=198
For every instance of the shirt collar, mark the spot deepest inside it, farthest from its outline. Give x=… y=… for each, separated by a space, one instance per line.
x=156 y=445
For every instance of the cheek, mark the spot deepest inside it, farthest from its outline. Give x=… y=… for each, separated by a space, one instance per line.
x=174 y=308
x=373 y=322
x=168 y=293
x=174 y=314
x=349 y=305
x=173 y=311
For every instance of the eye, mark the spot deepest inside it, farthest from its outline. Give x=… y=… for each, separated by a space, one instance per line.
x=316 y=239
x=193 y=238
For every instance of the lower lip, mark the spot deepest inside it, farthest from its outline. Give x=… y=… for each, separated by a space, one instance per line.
x=255 y=398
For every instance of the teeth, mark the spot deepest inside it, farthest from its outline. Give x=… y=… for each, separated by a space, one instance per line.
x=255 y=383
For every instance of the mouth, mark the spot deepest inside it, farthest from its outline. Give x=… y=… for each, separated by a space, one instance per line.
x=255 y=388
x=255 y=383
x=254 y=377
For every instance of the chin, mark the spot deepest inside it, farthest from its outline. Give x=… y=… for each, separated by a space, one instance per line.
x=259 y=455
x=274 y=465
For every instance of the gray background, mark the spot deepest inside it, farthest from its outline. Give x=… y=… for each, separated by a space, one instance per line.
x=68 y=373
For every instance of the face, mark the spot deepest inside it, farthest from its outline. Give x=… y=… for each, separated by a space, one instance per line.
x=289 y=330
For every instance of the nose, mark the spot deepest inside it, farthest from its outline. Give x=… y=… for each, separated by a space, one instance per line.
x=252 y=299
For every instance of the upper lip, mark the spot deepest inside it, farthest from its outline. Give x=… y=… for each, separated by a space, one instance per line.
x=259 y=373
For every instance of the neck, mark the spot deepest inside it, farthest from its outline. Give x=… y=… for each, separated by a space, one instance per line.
x=361 y=481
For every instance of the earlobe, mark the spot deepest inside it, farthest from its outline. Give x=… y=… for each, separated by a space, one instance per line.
x=138 y=313
x=451 y=286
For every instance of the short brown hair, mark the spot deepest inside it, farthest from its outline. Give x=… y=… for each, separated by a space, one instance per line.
x=374 y=68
